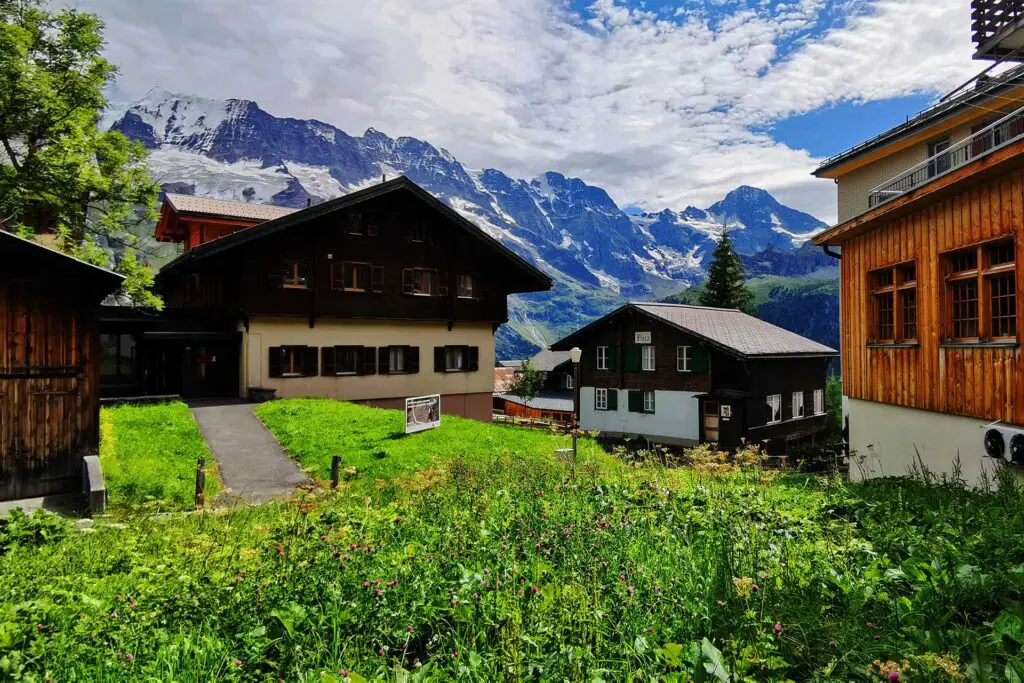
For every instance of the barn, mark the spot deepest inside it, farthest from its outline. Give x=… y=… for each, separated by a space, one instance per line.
x=49 y=367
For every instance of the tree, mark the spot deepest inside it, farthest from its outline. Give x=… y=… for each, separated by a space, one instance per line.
x=58 y=171
x=726 y=286
x=527 y=382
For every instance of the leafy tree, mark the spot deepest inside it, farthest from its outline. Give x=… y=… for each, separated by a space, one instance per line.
x=58 y=170
x=834 y=406
x=527 y=382
x=726 y=286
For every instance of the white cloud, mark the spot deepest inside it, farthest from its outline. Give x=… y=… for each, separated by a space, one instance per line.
x=656 y=111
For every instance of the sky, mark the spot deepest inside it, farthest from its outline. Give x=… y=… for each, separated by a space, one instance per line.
x=664 y=103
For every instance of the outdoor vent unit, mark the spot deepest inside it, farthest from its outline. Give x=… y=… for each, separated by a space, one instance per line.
x=1006 y=443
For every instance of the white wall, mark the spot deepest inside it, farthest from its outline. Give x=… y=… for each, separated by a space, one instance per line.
x=675 y=418
x=886 y=440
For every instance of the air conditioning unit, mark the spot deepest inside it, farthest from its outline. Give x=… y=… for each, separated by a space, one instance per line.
x=1005 y=442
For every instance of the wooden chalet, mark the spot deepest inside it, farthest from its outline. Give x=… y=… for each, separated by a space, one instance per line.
x=681 y=375
x=555 y=401
x=190 y=221
x=376 y=296
x=49 y=367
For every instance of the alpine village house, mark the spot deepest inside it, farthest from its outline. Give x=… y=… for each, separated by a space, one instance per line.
x=929 y=231
x=680 y=375
x=376 y=296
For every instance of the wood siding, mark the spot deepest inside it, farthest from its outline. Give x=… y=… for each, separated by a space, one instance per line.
x=982 y=380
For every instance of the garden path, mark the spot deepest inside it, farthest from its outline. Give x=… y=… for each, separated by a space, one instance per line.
x=252 y=463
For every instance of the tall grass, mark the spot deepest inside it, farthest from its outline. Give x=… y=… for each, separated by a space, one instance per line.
x=149 y=455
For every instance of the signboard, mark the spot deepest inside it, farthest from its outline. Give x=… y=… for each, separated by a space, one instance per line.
x=642 y=337
x=726 y=412
x=422 y=413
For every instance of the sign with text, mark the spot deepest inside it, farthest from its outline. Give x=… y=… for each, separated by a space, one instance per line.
x=422 y=413
x=642 y=337
x=726 y=412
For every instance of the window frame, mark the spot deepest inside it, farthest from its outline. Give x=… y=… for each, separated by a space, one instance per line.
x=449 y=354
x=649 y=393
x=979 y=277
x=684 y=358
x=602 y=360
x=400 y=352
x=891 y=288
x=292 y=269
x=770 y=401
x=819 y=402
x=795 y=403
x=473 y=289
x=601 y=397
x=355 y=266
x=645 y=350
x=293 y=353
x=414 y=274
x=937 y=167
x=567 y=382
x=357 y=356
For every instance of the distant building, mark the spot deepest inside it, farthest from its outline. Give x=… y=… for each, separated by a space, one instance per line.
x=554 y=403
x=930 y=216
x=682 y=375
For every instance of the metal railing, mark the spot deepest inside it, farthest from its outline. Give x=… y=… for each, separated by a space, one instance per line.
x=1006 y=130
x=990 y=17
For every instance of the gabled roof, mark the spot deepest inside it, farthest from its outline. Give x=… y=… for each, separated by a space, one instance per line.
x=547 y=360
x=728 y=329
x=401 y=184
x=222 y=208
x=20 y=252
x=560 y=401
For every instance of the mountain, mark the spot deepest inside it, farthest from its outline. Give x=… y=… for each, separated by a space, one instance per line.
x=598 y=254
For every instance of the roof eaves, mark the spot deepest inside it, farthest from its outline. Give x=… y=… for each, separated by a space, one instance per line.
x=99 y=270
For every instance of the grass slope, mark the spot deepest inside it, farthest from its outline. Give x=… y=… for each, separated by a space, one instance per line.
x=373 y=441
x=149 y=455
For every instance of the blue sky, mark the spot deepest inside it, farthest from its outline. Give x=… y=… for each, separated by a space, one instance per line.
x=663 y=103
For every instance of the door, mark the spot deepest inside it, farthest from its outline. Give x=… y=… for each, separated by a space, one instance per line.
x=711 y=421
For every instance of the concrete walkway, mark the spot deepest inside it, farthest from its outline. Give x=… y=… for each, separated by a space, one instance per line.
x=252 y=463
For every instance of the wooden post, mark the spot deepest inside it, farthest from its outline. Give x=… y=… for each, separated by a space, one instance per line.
x=335 y=471
x=200 y=483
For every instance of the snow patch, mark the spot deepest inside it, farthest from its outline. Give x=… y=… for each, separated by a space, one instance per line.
x=218 y=180
x=316 y=180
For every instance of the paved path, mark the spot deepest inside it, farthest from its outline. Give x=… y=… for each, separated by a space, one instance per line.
x=252 y=463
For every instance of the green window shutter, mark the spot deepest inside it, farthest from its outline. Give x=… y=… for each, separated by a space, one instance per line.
x=613 y=399
x=636 y=401
x=612 y=357
x=701 y=360
x=633 y=358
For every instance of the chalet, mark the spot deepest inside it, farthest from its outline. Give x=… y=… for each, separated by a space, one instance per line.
x=376 y=296
x=50 y=364
x=682 y=375
x=555 y=401
x=930 y=217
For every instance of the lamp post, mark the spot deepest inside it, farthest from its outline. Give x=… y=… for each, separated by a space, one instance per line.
x=575 y=354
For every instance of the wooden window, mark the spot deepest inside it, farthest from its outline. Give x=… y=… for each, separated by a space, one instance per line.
x=819 y=401
x=641 y=401
x=798 y=404
x=423 y=282
x=419 y=232
x=648 y=401
x=117 y=359
x=602 y=358
x=361 y=224
x=467 y=287
x=399 y=360
x=981 y=293
x=600 y=399
x=647 y=358
x=293 y=361
x=355 y=277
x=348 y=360
x=774 y=402
x=894 y=303
x=456 y=358
x=295 y=274
x=683 y=358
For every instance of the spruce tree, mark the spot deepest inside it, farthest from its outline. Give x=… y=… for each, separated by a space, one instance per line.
x=725 y=286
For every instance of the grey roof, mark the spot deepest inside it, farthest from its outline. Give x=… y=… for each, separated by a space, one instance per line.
x=185 y=203
x=547 y=401
x=510 y=363
x=547 y=360
x=733 y=329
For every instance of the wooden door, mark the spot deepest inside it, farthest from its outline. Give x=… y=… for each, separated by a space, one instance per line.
x=711 y=420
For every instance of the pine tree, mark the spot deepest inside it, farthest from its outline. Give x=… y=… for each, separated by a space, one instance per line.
x=725 y=286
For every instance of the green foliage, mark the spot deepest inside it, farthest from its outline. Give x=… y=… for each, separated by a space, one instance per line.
x=19 y=529
x=725 y=286
x=149 y=455
x=834 y=406
x=56 y=167
x=528 y=381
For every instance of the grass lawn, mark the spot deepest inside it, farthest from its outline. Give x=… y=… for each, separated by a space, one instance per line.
x=500 y=567
x=149 y=455
x=373 y=441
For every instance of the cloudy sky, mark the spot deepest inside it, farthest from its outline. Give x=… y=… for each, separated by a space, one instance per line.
x=663 y=103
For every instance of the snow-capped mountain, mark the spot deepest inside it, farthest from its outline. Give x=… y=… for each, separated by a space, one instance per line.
x=232 y=149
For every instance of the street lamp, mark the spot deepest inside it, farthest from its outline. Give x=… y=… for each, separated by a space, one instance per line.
x=575 y=354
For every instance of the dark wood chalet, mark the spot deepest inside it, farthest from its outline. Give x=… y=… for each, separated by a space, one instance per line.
x=554 y=403
x=49 y=367
x=681 y=375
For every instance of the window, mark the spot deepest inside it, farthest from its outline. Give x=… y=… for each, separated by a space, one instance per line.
x=940 y=164
x=399 y=360
x=361 y=224
x=798 y=404
x=602 y=357
x=981 y=293
x=641 y=401
x=456 y=358
x=293 y=361
x=648 y=401
x=117 y=359
x=683 y=358
x=819 y=401
x=355 y=277
x=774 y=408
x=568 y=381
x=396 y=359
x=600 y=399
x=422 y=282
x=894 y=304
x=295 y=275
x=349 y=360
x=419 y=232
x=647 y=358
x=467 y=287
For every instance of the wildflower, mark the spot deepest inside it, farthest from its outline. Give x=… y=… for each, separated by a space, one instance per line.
x=833 y=644
x=630 y=590
x=878 y=637
x=894 y=675
x=869 y=624
x=343 y=672
x=409 y=628
x=416 y=662
x=129 y=657
x=720 y=603
x=754 y=588
x=534 y=589
x=504 y=547
x=398 y=520
x=39 y=627
x=378 y=592
x=366 y=584
x=777 y=628
x=238 y=662
x=381 y=652
x=744 y=586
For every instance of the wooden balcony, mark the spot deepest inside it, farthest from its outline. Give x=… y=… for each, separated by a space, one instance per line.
x=998 y=29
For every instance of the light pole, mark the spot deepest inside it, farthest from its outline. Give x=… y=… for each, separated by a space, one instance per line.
x=575 y=354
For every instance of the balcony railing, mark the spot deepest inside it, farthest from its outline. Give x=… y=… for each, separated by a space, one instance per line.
x=990 y=19
x=1006 y=130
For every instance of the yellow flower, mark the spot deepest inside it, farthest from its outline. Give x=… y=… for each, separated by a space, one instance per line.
x=743 y=586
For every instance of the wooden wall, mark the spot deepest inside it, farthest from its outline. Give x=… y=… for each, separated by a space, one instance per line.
x=49 y=381
x=983 y=381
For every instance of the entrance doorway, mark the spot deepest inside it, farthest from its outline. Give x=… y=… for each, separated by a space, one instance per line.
x=711 y=409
